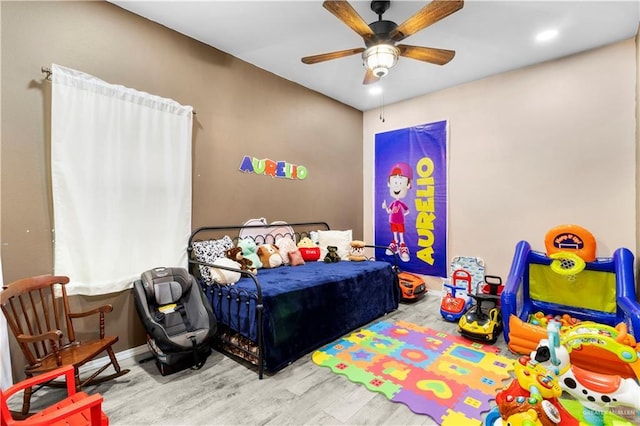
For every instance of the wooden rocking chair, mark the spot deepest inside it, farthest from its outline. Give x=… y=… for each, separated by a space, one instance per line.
x=37 y=312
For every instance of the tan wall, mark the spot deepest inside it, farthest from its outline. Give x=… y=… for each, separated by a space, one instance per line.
x=241 y=110
x=637 y=90
x=530 y=149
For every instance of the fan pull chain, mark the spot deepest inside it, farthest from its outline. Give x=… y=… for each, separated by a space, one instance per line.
x=382 y=106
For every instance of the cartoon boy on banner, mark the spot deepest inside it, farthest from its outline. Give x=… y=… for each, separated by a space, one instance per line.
x=399 y=184
x=410 y=183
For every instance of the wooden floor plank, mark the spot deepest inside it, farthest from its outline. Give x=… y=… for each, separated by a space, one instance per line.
x=224 y=392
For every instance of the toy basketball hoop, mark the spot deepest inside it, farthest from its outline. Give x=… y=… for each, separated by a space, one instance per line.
x=567 y=263
x=570 y=247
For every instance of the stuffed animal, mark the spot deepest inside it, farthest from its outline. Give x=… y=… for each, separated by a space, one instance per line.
x=309 y=250
x=225 y=276
x=269 y=256
x=357 y=251
x=235 y=254
x=306 y=242
x=332 y=255
x=249 y=249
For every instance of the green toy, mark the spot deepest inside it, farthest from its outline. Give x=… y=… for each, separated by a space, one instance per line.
x=249 y=251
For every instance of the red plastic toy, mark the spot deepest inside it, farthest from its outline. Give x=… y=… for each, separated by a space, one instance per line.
x=531 y=398
x=456 y=301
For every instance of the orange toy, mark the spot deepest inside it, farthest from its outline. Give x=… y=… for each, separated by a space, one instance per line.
x=573 y=239
x=524 y=338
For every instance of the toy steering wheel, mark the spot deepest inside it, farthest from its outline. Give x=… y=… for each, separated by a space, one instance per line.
x=567 y=263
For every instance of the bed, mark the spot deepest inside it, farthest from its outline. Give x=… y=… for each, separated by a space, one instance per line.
x=270 y=319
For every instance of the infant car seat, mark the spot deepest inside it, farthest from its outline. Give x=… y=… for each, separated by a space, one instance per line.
x=177 y=317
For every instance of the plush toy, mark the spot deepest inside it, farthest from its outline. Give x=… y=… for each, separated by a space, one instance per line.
x=249 y=248
x=224 y=276
x=235 y=254
x=357 y=251
x=306 y=243
x=269 y=256
x=308 y=249
x=332 y=255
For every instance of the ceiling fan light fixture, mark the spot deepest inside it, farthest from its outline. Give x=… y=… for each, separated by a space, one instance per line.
x=380 y=58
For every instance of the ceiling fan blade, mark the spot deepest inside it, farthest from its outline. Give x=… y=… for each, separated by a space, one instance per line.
x=347 y=14
x=314 y=59
x=426 y=54
x=430 y=14
x=369 y=77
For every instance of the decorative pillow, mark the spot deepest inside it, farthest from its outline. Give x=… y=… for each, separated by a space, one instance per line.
x=224 y=276
x=340 y=239
x=285 y=245
x=252 y=229
x=263 y=233
x=308 y=249
x=208 y=251
x=295 y=258
x=280 y=229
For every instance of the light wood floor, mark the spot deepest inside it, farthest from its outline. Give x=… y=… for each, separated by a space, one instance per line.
x=224 y=392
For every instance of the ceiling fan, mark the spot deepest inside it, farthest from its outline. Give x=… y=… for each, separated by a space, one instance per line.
x=380 y=37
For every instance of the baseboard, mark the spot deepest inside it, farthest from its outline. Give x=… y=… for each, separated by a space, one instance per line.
x=141 y=351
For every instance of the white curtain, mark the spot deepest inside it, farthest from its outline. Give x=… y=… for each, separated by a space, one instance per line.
x=5 y=357
x=121 y=177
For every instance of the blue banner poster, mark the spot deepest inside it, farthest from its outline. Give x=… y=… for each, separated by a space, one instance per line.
x=410 y=201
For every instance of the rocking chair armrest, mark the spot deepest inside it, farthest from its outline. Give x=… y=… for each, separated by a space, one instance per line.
x=101 y=310
x=49 y=335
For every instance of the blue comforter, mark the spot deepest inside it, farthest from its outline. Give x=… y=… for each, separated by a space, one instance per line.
x=310 y=305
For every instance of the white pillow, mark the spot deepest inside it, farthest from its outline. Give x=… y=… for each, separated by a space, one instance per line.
x=285 y=245
x=224 y=276
x=340 y=239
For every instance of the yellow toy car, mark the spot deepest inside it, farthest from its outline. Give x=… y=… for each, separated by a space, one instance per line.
x=483 y=321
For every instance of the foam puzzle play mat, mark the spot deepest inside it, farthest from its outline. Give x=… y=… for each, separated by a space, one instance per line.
x=446 y=377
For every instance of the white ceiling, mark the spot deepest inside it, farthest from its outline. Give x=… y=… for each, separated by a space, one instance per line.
x=489 y=37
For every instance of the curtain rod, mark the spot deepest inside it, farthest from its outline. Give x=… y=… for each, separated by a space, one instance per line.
x=48 y=73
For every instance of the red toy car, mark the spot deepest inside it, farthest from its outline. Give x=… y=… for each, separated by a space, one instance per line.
x=412 y=287
x=455 y=302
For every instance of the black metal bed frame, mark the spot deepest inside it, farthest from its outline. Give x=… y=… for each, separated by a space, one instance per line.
x=228 y=341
